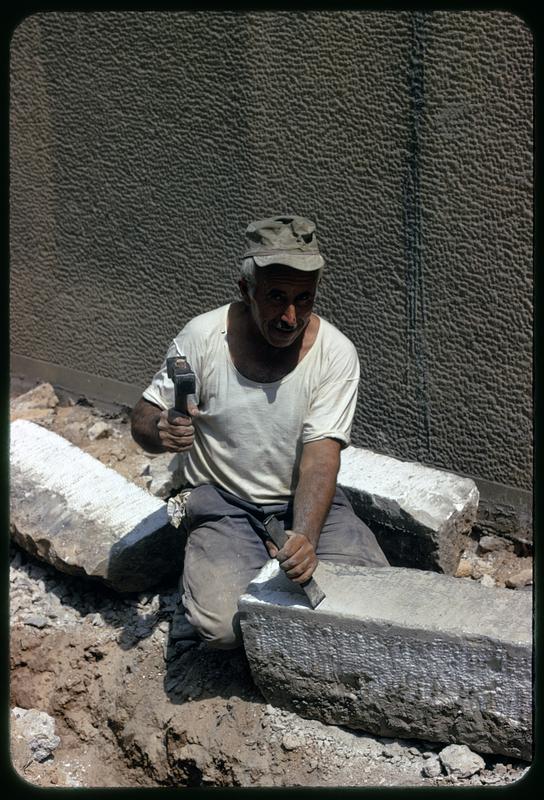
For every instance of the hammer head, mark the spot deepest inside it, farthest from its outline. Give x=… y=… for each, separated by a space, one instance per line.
x=176 y=364
x=179 y=371
x=183 y=377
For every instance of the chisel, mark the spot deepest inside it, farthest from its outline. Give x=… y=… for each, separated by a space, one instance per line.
x=278 y=536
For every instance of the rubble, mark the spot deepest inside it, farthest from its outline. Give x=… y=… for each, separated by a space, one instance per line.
x=37 y=404
x=100 y=430
x=461 y=761
x=37 y=730
x=165 y=472
x=41 y=396
x=501 y=565
x=139 y=685
x=489 y=544
x=433 y=766
x=523 y=578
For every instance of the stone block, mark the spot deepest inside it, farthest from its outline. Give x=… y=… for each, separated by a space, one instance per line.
x=421 y=516
x=69 y=509
x=396 y=652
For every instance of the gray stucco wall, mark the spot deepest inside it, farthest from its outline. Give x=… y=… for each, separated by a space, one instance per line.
x=143 y=143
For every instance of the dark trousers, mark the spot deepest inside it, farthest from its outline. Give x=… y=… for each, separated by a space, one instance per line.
x=225 y=551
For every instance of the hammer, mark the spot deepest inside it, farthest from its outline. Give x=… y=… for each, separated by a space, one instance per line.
x=179 y=371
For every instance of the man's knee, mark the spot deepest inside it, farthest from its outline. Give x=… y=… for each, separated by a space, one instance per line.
x=347 y=539
x=222 y=632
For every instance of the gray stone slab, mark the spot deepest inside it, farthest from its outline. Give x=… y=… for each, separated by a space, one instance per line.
x=396 y=652
x=421 y=516
x=69 y=509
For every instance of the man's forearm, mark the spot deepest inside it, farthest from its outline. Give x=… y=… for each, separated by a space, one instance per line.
x=316 y=487
x=144 y=429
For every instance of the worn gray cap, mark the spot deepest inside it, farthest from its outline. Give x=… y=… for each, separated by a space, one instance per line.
x=285 y=240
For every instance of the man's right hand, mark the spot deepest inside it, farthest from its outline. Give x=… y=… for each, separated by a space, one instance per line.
x=176 y=431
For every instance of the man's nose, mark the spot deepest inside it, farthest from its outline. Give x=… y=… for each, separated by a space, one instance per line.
x=290 y=315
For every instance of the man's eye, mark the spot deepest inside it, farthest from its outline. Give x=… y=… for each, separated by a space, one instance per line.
x=276 y=297
x=304 y=299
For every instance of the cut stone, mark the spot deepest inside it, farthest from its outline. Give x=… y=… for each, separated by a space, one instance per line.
x=421 y=516
x=70 y=510
x=396 y=652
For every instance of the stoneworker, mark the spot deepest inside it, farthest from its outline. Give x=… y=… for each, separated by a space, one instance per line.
x=276 y=388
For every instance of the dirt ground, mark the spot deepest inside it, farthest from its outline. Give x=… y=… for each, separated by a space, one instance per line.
x=137 y=701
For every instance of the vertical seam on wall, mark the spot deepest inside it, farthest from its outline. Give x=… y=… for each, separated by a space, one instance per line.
x=413 y=246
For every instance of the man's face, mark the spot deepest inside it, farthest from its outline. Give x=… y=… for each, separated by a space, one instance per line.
x=282 y=302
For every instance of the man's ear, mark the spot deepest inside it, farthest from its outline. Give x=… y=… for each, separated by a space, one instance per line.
x=244 y=290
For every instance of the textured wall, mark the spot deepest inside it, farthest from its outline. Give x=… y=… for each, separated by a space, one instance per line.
x=143 y=143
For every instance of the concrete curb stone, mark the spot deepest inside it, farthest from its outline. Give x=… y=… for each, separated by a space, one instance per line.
x=421 y=516
x=396 y=652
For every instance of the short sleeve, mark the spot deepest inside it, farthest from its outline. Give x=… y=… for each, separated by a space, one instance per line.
x=161 y=389
x=333 y=405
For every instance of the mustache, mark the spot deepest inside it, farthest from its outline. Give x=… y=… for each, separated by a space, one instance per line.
x=284 y=326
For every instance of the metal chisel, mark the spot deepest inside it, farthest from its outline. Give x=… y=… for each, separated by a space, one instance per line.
x=277 y=535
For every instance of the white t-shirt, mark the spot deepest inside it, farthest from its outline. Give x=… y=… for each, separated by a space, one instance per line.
x=248 y=435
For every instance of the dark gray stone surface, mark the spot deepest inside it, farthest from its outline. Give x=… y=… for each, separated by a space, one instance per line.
x=143 y=143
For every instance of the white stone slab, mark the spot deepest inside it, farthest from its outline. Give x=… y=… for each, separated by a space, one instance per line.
x=396 y=652
x=83 y=517
x=421 y=516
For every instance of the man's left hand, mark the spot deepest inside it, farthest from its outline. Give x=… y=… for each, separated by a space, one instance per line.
x=297 y=557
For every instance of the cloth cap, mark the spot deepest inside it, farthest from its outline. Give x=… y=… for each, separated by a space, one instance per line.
x=284 y=240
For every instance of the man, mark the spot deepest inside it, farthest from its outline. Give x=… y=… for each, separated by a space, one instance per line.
x=276 y=388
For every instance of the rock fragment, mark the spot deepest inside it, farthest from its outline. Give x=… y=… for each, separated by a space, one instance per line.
x=490 y=543
x=464 y=568
x=39 y=404
x=37 y=730
x=36 y=621
x=100 y=430
x=460 y=761
x=520 y=579
x=290 y=741
x=432 y=767
x=166 y=473
x=42 y=396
